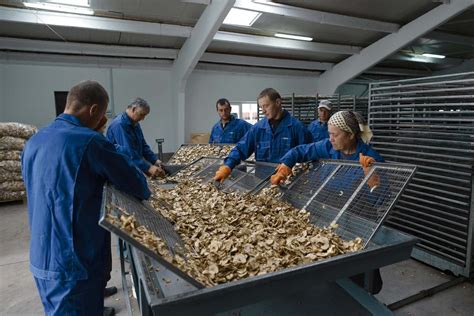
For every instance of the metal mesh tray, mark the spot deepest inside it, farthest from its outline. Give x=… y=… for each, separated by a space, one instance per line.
x=336 y=191
x=247 y=177
x=185 y=147
x=116 y=203
x=333 y=191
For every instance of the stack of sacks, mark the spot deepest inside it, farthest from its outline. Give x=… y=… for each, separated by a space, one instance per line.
x=13 y=137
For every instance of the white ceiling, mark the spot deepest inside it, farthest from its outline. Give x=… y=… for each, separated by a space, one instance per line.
x=339 y=29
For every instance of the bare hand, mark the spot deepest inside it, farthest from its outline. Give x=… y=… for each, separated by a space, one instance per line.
x=155 y=171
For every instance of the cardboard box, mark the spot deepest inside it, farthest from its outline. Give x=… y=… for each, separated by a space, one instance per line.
x=200 y=138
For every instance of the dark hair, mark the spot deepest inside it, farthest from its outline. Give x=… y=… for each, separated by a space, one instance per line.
x=86 y=93
x=271 y=93
x=222 y=101
x=139 y=103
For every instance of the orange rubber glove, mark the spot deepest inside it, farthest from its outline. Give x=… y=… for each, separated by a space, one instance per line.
x=366 y=162
x=223 y=173
x=282 y=172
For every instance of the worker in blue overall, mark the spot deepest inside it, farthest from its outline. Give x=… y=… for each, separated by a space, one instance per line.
x=65 y=166
x=319 y=128
x=270 y=138
x=127 y=136
x=229 y=129
x=348 y=140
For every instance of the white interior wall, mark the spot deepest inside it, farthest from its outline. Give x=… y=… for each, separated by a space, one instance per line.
x=205 y=87
x=28 y=90
x=154 y=86
x=28 y=94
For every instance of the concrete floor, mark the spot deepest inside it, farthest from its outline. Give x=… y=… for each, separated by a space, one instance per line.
x=19 y=295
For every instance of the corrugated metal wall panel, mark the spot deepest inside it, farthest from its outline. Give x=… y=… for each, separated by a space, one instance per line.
x=430 y=122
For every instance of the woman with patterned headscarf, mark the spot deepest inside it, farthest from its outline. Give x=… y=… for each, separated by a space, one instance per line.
x=349 y=136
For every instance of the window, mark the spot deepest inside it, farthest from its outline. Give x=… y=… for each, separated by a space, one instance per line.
x=236 y=110
x=250 y=112
x=246 y=111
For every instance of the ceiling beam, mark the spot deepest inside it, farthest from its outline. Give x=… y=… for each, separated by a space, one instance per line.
x=280 y=43
x=205 y=2
x=141 y=54
x=450 y=38
x=315 y=16
x=92 y=22
x=381 y=49
x=40 y=46
x=201 y=36
x=188 y=57
x=265 y=62
x=249 y=69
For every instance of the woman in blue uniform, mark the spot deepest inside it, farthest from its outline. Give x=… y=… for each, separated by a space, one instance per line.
x=348 y=138
x=270 y=138
x=229 y=130
x=65 y=166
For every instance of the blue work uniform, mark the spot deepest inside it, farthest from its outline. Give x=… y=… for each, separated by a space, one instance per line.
x=128 y=139
x=345 y=185
x=318 y=130
x=324 y=150
x=231 y=133
x=65 y=166
x=269 y=145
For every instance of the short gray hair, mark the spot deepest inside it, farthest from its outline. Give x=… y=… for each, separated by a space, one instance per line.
x=140 y=103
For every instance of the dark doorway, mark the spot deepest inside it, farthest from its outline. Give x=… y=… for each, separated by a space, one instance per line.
x=60 y=101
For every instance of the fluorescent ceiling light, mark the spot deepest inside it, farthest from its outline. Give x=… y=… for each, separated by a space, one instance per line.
x=58 y=7
x=241 y=17
x=79 y=3
x=433 y=55
x=295 y=37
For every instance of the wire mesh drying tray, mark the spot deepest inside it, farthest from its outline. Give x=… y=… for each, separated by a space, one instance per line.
x=116 y=203
x=337 y=191
x=332 y=191
x=220 y=151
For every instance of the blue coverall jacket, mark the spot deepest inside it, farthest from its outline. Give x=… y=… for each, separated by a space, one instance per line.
x=231 y=133
x=65 y=166
x=324 y=150
x=318 y=130
x=267 y=145
x=128 y=139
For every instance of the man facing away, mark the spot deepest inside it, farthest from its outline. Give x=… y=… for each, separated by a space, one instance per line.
x=65 y=166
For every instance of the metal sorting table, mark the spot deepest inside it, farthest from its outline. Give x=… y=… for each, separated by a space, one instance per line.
x=330 y=191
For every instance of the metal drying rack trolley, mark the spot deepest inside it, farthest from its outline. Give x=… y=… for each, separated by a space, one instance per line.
x=332 y=191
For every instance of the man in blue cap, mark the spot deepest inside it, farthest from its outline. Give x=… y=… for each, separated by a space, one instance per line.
x=65 y=166
x=229 y=130
x=319 y=128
